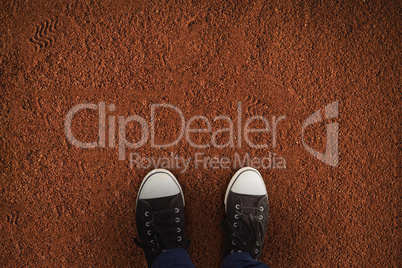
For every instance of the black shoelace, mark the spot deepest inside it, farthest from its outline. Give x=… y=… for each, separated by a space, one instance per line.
x=246 y=234
x=163 y=232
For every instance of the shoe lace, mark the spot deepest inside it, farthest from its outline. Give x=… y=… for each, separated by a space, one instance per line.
x=162 y=232
x=246 y=234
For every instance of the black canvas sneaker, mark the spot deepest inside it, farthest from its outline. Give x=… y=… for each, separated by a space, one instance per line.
x=160 y=214
x=246 y=206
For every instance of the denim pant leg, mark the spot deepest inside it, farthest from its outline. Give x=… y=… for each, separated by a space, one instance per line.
x=241 y=260
x=171 y=258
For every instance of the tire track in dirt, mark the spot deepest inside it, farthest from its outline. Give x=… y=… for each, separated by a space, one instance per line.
x=45 y=34
x=13 y=217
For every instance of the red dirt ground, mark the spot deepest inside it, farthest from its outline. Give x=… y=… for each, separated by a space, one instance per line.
x=66 y=206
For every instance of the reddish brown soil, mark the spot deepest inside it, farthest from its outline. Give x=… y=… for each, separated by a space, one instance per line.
x=65 y=206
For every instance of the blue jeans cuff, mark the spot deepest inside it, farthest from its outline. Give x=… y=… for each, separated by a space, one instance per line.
x=175 y=257
x=241 y=260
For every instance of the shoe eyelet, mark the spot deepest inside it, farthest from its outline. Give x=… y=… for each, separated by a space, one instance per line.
x=237 y=206
x=257 y=244
x=178 y=230
x=149 y=232
x=261 y=208
x=146 y=213
x=147 y=224
x=232 y=251
x=236 y=216
x=152 y=241
x=256 y=251
x=235 y=224
x=260 y=217
x=176 y=210
x=177 y=219
x=179 y=238
x=233 y=243
x=233 y=234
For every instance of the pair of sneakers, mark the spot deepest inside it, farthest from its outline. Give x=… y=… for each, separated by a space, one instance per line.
x=161 y=218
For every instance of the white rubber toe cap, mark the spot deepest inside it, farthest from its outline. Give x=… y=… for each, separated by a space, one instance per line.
x=248 y=181
x=159 y=183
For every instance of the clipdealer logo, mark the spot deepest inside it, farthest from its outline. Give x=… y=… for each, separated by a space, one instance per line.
x=330 y=156
x=237 y=132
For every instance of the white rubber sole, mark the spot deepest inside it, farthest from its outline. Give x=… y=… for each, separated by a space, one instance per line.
x=152 y=173
x=234 y=179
